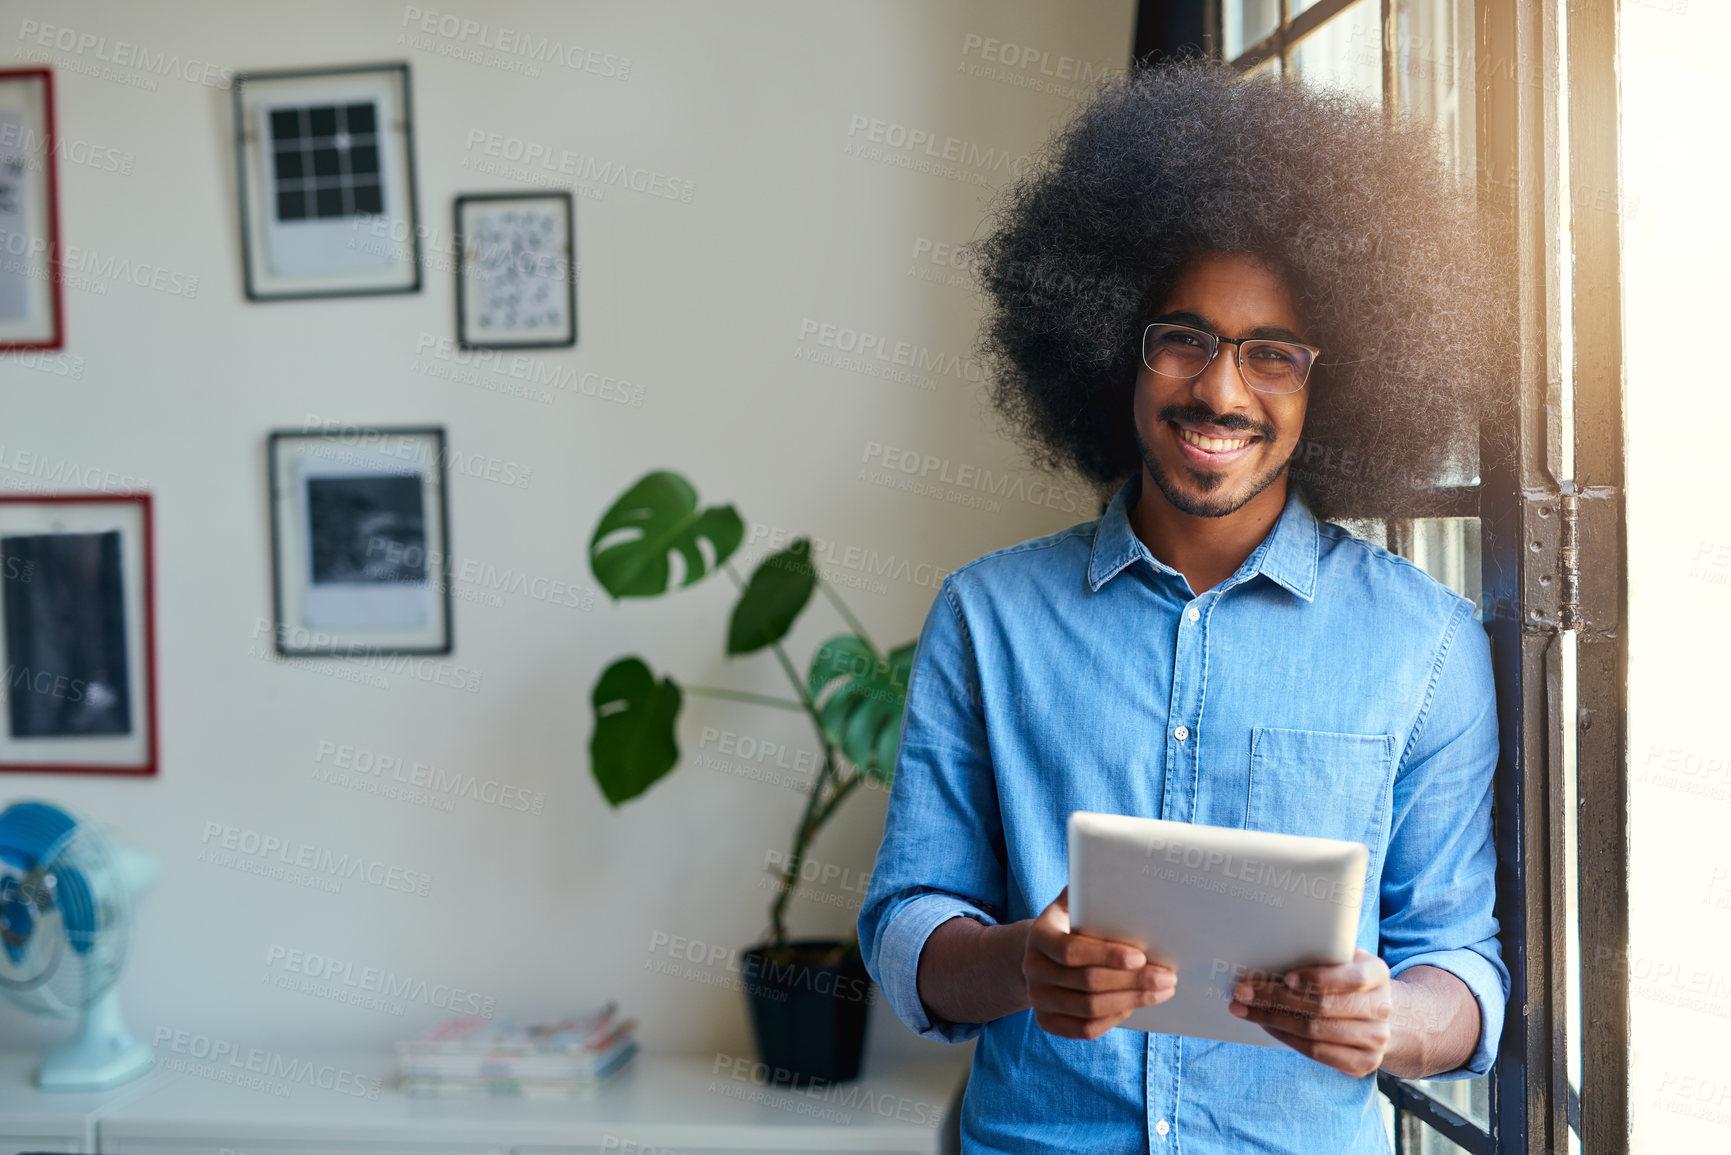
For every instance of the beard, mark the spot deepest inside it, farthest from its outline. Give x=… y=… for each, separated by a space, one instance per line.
x=1209 y=502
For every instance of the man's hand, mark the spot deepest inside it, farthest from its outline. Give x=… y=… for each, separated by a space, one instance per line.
x=1080 y=987
x=1341 y=1016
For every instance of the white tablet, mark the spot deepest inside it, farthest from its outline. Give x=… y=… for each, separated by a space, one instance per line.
x=1215 y=903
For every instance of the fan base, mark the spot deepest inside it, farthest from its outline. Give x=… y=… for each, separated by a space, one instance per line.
x=81 y=1066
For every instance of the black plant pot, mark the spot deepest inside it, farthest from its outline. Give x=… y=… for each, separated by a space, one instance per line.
x=808 y=1009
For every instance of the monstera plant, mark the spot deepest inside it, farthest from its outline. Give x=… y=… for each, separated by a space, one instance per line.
x=852 y=694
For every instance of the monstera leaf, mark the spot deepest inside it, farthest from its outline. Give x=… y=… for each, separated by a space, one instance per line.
x=860 y=698
x=633 y=746
x=655 y=518
x=777 y=591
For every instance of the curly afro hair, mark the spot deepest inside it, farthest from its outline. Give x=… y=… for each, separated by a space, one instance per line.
x=1390 y=263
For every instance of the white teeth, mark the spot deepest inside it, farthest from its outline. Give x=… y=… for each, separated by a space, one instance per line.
x=1211 y=444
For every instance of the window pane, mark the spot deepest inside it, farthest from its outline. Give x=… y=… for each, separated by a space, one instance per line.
x=1434 y=63
x=1469 y=1097
x=1346 y=52
x=1447 y=548
x=1244 y=22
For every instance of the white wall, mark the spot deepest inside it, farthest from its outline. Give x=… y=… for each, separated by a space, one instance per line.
x=701 y=305
x=1677 y=245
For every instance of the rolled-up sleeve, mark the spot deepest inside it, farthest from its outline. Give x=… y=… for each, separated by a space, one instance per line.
x=942 y=854
x=1439 y=882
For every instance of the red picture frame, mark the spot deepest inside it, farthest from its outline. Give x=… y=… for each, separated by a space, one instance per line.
x=56 y=281
x=146 y=696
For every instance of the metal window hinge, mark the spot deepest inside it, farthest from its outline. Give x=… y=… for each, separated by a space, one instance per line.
x=1572 y=563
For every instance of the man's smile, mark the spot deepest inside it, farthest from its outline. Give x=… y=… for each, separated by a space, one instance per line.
x=1209 y=446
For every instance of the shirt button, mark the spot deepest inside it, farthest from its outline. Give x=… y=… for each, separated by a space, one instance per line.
x=1181 y=733
x=1193 y=613
x=1161 y=1127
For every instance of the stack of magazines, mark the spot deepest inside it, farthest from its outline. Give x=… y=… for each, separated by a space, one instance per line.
x=468 y=1057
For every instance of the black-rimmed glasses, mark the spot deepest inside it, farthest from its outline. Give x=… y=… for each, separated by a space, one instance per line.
x=1266 y=366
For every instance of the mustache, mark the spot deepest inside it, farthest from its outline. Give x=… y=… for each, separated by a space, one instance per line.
x=1236 y=422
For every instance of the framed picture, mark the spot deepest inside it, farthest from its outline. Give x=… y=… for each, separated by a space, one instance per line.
x=360 y=542
x=30 y=290
x=516 y=271
x=326 y=170
x=78 y=633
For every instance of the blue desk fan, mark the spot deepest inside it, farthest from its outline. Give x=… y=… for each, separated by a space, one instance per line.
x=65 y=917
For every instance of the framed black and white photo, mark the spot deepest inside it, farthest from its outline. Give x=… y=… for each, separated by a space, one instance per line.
x=30 y=282
x=326 y=170
x=359 y=536
x=516 y=271
x=77 y=633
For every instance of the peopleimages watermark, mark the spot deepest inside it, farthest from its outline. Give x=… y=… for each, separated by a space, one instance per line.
x=819 y=1098
x=853 y=566
x=827 y=883
x=342 y=764
x=1712 y=562
x=925 y=151
x=1687 y=771
x=61 y=471
x=253 y=1068
x=304 y=863
x=1036 y=69
x=373 y=988
x=364 y=446
x=536 y=162
x=914 y=471
x=478 y=37
x=536 y=376
x=874 y=355
x=433 y=672
x=87 y=47
x=710 y=964
x=478 y=581
x=1247 y=878
x=23 y=141
x=1672 y=981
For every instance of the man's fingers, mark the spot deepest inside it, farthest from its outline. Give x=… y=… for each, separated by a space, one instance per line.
x=1365 y=972
x=1349 y=1060
x=1374 y=1005
x=1359 y=1033
x=1074 y=950
x=1094 y=1004
x=1046 y=972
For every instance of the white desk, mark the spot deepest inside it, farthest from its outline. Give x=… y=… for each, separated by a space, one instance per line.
x=33 y=1120
x=659 y=1106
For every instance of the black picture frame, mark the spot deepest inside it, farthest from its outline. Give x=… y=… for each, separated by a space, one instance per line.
x=464 y=243
x=358 y=450
x=255 y=219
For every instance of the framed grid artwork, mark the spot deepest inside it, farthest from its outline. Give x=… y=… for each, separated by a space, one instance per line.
x=30 y=284
x=360 y=542
x=516 y=271
x=77 y=633
x=325 y=165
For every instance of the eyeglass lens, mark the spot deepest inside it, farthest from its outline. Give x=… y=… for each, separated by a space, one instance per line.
x=1268 y=366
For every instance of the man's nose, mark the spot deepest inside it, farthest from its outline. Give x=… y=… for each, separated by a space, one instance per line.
x=1221 y=386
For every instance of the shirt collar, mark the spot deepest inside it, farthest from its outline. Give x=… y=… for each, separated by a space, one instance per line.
x=1287 y=556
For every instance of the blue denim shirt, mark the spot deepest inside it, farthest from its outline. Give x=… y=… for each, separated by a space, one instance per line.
x=1327 y=688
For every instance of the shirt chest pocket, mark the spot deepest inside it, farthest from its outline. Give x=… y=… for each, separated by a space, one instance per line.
x=1322 y=784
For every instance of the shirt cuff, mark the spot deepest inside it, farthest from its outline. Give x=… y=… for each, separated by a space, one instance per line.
x=898 y=959
x=1486 y=983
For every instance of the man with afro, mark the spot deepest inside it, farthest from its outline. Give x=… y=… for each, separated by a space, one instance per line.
x=1248 y=306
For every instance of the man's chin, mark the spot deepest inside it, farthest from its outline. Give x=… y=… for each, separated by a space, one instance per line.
x=1202 y=494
